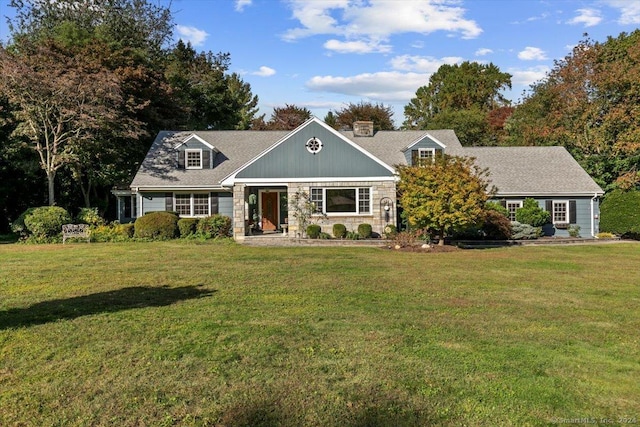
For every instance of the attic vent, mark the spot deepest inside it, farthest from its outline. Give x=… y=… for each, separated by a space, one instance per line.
x=363 y=128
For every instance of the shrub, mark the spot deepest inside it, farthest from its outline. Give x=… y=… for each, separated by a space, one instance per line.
x=620 y=213
x=574 y=230
x=18 y=225
x=113 y=232
x=324 y=236
x=524 y=231
x=47 y=221
x=313 y=231
x=532 y=214
x=339 y=231
x=364 y=230
x=390 y=231
x=605 y=236
x=187 y=226
x=407 y=238
x=496 y=207
x=352 y=235
x=89 y=216
x=496 y=226
x=156 y=225
x=214 y=226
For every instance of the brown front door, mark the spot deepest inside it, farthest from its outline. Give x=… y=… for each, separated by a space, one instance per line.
x=270 y=211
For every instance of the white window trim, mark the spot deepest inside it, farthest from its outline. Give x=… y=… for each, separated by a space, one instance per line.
x=186 y=158
x=357 y=201
x=426 y=150
x=553 y=211
x=192 y=204
x=513 y=202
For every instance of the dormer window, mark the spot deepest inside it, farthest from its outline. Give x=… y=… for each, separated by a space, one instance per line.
x=425 y=154
x=193 y=159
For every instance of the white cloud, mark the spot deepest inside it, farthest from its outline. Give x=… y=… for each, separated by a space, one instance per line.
x=241 y=4
x=528 y=76
x=483 y=51
x=588 y=17
x=629 y=11
x=392 y=86
x=359 y=46
x=373 y=22
x=264 y=71
x=422 y=64
x=192 y=34
x=532 y=54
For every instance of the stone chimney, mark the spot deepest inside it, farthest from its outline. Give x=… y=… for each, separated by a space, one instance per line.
x=363 y=128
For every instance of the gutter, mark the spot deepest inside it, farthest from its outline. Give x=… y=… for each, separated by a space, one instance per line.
x=593 y=219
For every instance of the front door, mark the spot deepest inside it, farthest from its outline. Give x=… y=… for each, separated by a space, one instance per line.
x=270 y=211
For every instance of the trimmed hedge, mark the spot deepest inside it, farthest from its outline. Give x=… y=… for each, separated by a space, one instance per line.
x=313 y=231
x=620 y=213
x=156 y=225
x=339 y=231
x=365 y=230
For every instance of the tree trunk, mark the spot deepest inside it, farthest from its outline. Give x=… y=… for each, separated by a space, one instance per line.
x=441 y=239
x=51 y=176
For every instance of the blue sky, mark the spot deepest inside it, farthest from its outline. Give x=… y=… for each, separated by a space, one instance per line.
x=325 y=54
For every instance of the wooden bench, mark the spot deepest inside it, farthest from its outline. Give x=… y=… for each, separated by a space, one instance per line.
x=75 y=230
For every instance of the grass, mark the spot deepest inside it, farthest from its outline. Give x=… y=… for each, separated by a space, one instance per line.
x=175 y=333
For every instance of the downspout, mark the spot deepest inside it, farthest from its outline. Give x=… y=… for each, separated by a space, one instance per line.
x=593 y=219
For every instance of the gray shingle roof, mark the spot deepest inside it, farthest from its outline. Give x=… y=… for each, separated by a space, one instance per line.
x=159 y=168
x=532 y=170
x=514 y=170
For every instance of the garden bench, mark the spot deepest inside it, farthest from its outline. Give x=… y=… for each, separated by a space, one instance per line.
x=75 y=230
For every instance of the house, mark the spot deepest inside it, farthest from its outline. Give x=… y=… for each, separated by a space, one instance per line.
x=251 y=176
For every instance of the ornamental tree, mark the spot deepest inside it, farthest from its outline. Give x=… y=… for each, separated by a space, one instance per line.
x=445 y=196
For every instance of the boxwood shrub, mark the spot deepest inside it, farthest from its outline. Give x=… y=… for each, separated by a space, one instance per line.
x=156 y=225
x=313 y=231
x=339 y=231
x=364 y=230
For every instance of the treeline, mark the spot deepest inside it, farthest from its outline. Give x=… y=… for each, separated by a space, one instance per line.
x=87 y=85
x=588 y=103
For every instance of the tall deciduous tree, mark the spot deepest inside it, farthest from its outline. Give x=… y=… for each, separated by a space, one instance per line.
x=379 y=114
x=60 y=102
x=589 y=104
x=444 y=196
x=459 y=97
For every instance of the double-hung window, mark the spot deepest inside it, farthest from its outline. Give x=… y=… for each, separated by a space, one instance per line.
x=560 y=211
x=342 y=200
x=426 y=154
x=193 y=159
x=191 y=204
x=512 y=207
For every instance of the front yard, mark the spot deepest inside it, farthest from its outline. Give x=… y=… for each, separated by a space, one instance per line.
x=182 y=333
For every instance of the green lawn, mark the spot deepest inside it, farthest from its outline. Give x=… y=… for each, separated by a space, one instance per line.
x=179 y=333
